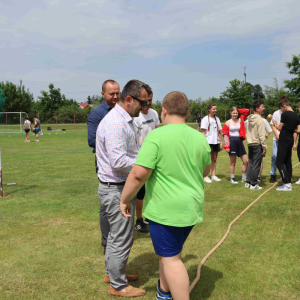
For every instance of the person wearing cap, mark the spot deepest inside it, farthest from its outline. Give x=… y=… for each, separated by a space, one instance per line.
x=117 y=146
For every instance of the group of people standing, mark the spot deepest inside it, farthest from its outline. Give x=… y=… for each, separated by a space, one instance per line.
x=134 y=157
x=35 y=128
x=285 y=125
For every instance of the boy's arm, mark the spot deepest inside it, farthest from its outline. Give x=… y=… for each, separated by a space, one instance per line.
x=135 y=180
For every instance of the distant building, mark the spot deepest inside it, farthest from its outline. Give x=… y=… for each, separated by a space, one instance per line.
x=83 y=105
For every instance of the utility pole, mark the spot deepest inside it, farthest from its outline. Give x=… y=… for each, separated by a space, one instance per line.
x=245 y=74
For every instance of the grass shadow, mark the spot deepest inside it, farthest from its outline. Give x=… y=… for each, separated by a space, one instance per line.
x=21 y=189
x=206 y=284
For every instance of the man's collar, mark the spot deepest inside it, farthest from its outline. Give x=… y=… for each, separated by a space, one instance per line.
x=124 y=113
x=106 y=106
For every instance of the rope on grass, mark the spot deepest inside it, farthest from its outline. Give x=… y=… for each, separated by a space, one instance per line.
x=227 y=233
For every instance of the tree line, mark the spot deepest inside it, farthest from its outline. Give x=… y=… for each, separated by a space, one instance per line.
x=52 y=103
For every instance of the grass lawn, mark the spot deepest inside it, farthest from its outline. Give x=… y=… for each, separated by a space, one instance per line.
x=50 y=238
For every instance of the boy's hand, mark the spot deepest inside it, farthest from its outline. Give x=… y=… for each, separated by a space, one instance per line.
x=125 y=210
x=264 y=153
x=294 y=147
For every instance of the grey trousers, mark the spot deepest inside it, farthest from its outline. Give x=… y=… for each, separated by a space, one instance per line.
x=104 y=225
x=120 y=237
x=254 y=154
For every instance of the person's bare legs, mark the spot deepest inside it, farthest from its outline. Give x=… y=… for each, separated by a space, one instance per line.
x=138 y=208
x=213 y=165
x=232 y=163
x=174 y=277
x=244 y=159
x=37 y=137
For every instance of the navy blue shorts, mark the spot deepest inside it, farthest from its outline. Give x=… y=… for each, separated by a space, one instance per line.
x=168 y=240
x=236 y=146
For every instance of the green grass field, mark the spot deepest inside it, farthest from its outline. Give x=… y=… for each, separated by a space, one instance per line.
x=50 y=238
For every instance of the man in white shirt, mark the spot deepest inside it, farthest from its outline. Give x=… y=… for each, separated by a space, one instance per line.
x=277 y=117
x=145 y=123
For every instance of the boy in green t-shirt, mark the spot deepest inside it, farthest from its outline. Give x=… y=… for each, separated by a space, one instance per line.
x=172 y=161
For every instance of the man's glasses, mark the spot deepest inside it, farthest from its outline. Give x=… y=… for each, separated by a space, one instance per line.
x=143 y=102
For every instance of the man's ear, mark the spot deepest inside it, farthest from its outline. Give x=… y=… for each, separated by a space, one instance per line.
x=164 y=111
x=102 y=93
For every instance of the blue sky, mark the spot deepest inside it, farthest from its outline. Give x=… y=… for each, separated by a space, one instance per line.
x=195 y=47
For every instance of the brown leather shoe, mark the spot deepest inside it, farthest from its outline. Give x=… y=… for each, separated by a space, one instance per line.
x=128 y=277
x=130 y=292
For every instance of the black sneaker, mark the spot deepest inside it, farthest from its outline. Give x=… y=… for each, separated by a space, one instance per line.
x=146 y=221
x=273 y=178
x=140 y=226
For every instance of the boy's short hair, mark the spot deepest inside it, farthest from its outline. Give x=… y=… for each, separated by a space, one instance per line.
x=257 y=104
x=176 y=103
x=284 y=100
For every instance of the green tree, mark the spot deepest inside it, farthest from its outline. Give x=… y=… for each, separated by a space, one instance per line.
x=237 y=94
x=293 y=85
x=17 y=97
x=89 y=100
x=50 y=102
x=255 y=91
x=2 y=101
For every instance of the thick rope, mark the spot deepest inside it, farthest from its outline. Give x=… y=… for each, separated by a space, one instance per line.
x=227 y=233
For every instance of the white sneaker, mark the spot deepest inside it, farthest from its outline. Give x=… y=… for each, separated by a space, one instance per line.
x=256 y=187
x=284 y=188
x=298 y=182
x=247 y=185
x=207 y=179
x=232 y=180
x=215 y=178
x=244 y=179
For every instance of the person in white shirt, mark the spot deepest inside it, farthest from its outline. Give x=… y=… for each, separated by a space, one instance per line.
x=212 y=129
x=146 y=121
x=27 y=127
x=276 y=117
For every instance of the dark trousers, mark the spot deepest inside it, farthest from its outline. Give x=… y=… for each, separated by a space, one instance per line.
x=284 y=160
x=298 y=148
x=254 y=154
x=103 y=221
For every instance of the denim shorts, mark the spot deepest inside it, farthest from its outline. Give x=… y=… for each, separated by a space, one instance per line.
x=168 y=240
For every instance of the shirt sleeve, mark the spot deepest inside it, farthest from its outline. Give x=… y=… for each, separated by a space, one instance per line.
x=219 y=124
x=116 y=148
x=267 y=126
x=93 y=121
x=204 y=123
x=147 y=156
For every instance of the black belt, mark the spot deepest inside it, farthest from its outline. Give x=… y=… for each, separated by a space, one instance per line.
x=113 y=183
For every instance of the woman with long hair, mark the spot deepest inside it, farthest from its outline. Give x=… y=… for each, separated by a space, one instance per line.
x=234 y=133
x=212 y=129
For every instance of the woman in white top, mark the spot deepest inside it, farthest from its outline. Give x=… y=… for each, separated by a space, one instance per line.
x=27 y=128
x=211 y=127
x=235 y=129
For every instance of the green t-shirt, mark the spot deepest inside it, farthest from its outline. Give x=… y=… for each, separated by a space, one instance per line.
x=178 y=156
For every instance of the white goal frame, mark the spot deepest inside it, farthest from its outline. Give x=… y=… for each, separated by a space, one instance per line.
x=21 y=123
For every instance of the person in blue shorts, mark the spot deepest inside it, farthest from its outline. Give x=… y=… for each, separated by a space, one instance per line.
x=172 y=161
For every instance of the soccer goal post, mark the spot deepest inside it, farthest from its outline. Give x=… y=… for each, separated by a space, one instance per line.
x=12 y=122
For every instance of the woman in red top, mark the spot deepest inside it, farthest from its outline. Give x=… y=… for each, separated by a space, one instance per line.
x=234 y=133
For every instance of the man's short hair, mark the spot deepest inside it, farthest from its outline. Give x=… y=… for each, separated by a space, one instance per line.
x=149 y=90
x=176 y=103
x=284 y=100
x=106 y=82
x=134 y=88
x=257 y=104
